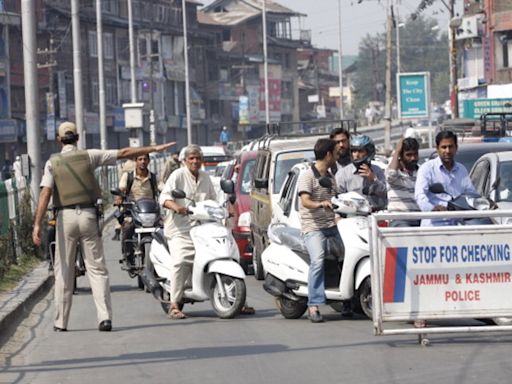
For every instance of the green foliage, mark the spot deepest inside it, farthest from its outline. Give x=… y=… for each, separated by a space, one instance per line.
x=422 y=49
x=24 y=228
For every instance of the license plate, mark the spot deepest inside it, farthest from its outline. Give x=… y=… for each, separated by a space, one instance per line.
x=146 y=230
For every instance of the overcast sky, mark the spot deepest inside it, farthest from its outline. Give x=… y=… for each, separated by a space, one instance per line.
x=357 y=19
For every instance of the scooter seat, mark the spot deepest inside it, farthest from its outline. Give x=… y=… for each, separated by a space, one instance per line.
x=291 y=238
x=160 y=237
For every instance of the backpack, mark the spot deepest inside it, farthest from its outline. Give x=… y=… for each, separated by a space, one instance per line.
x=152 y=181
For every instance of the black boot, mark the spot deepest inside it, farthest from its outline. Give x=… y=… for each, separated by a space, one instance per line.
x=117 y=233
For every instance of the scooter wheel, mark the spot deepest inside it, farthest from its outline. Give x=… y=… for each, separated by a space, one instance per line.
x=231 y=305
x=291 y=309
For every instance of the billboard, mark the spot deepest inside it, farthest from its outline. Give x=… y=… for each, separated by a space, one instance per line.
x=413 y=90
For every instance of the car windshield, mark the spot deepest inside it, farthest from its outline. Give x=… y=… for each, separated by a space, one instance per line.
x=245 y=187
x=285 y=162
x=504 y=192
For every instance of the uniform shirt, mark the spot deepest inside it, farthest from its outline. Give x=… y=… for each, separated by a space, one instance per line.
x=97 y=157
x=348 y=180
x=455 y=182
x=401 y=190
x=197 y=190
x=318 y=218
x=141 y=186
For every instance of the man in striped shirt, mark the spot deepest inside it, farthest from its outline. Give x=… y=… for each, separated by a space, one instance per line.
x=401 y=179
x=318 y=220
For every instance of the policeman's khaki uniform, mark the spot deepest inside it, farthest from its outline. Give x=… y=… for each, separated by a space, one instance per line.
x=70 y=174
x=177 y=227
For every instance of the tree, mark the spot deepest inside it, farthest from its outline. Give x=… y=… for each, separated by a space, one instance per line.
x=422 y=49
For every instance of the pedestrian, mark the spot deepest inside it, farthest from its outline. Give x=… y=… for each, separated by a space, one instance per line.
x=342 y=139
x=444 y=170
x=69 y=177
x=317 y=220
x=137 y=184
x=197 y=186
x=224 y=138
x=401 y=178
x=172 y=164
x=361 y=175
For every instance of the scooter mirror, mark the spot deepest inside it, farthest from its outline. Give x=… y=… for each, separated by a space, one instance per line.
x=232 y=199
x=116 y=192
x=227 y=186
x=178 y=194
x=436 y=188
x=325 y=182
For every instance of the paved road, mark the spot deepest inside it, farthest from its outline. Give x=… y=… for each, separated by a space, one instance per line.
x=146 y=347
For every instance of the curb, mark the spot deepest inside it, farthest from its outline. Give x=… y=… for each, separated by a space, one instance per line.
x=17 y=304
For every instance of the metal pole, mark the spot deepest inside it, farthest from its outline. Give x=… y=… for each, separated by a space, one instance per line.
x=28 y=17
x=397 y=24
x=77 y=74
x=265 y=62
x=387 y=117
x=187 y=80
x=340 y=64
x=133 y=89
x=101 y=80
x=453 y=63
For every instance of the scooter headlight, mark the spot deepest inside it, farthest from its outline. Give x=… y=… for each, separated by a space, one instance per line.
x=148 y=219
x=479 y=203
x=216 y=212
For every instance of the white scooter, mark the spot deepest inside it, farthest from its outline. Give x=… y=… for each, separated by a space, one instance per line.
x=286 y=262
x=216 y=275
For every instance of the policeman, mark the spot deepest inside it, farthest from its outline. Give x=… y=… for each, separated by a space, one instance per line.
x=69 y=176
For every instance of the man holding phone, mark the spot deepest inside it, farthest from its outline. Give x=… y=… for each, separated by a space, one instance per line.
x=362 y=176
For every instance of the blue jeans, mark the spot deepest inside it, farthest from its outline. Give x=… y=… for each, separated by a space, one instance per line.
x=316 y=244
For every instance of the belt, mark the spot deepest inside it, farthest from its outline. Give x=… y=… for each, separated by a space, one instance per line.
x=78 y=206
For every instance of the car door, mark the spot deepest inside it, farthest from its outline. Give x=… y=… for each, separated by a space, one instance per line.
x=282 y=212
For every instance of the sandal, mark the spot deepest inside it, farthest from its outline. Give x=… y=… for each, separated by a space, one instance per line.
x=247 y=310
x=176 y=314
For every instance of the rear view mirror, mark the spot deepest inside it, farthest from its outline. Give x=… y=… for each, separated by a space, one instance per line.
x=178 y=194
x=116 y=192
x=261 y=183
x=436 y=188
x=227 y=186
x=325 y=182
x=232 y=199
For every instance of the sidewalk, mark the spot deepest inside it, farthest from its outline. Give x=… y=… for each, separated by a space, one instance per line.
x=17 y=304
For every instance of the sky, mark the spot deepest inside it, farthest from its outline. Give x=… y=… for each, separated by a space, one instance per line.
x=357 y=19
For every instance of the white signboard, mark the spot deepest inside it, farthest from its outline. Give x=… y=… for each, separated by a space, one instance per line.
x=448 y=272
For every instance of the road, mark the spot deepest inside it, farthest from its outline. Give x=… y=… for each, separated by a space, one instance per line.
x=146 y=347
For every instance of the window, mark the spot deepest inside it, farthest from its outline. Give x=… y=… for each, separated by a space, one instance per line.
x=288 y=194
x=110 y=92
x=245 y=186
x=94 y=93
x=226 y=35
x=285 y=161
x=93 y=44
x=480 y=174
x=108 y=46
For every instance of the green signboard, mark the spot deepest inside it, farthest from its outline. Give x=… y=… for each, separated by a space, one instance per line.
x=472 y=109
x=413 y=90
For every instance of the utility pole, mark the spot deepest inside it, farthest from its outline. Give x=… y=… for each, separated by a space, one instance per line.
x=101 y=77
x=265 y=62
x=48 y=55
x=397 y=30
x=340 y=63
x=187 y=79
x=454 y=24
x=28 y=18
x=77 y=74
x=387 y=107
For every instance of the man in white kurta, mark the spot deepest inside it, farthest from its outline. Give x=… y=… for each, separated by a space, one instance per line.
x=198 y=187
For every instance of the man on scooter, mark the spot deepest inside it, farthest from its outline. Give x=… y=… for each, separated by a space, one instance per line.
x=197 y=186
x=137 y=184
x=362 y=176
x=318 y=220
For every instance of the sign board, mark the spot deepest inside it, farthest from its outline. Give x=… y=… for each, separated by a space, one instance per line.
x=474 y=108
x=119 y=125
x=313 y=99
x=8 y=131
x=134 y=142
x=413 y=90
x=243 y=110
x=133 y=115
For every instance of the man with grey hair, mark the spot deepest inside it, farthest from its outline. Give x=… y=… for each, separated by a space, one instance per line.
x=197 y=186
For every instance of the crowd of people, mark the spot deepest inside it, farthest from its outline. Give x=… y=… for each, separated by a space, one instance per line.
x=344 y=161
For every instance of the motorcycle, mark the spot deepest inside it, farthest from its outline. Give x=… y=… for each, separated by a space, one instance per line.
x=145 y=216
x=286 y=261
x=51 y=245
x=216 y=275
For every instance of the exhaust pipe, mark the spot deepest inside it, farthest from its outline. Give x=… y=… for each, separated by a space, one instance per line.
x=151 y=283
